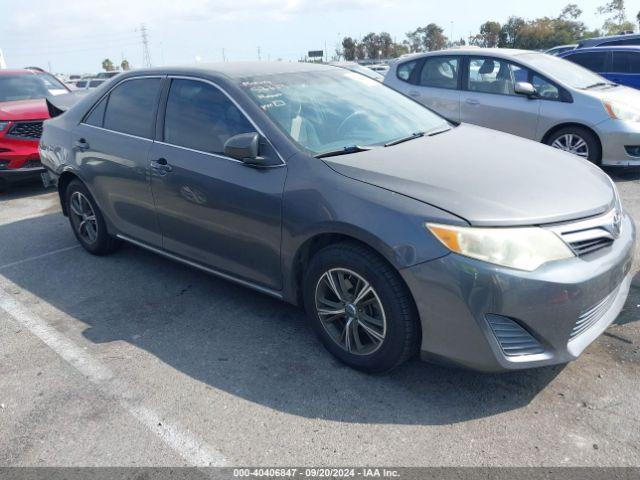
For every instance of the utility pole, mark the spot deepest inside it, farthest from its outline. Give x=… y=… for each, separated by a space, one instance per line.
x=146 y=55
x=224 y=57
x=259 y=57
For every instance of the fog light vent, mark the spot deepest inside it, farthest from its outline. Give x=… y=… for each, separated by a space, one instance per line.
x=514 y=340
x=633 y=150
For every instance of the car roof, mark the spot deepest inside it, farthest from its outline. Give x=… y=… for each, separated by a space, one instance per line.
x=475 y=51
x=607 y=47
x=236 y=70
x=20 y=71
x=611 y=37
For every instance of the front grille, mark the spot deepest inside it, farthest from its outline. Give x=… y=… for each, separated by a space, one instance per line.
x=583 y=247
x=514 y=340
x=590 y=317
x=28 y=130
x=591 y=235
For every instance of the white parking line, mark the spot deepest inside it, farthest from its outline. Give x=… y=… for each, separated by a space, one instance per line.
x=192 y=449
x=44 y=255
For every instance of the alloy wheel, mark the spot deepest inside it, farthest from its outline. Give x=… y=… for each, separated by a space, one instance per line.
x=84 y=218
x=572 y=143
x=350 y=311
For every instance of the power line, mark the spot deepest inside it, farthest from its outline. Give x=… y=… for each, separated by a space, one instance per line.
x=146 y=55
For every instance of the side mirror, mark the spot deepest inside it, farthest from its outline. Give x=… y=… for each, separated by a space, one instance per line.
x=244 y=147
x=525 y=88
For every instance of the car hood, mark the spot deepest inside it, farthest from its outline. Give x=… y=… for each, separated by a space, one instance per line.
x=487 y=177
x=24 y=110
x=626 y=95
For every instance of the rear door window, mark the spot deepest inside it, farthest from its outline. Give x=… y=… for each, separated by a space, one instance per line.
x=594 y=61
x=626 y=62
x=131 y=107
x=199 y=116
x=440 y=72
x=405 y=70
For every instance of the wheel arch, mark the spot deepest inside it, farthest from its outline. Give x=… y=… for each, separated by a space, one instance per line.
x=560 y=126
x=312 y=245
x=63 y=182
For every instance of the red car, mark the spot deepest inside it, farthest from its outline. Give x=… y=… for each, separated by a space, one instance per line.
x=22 y=111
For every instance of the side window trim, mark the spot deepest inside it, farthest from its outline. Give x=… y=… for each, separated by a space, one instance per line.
x=108 y=93
x=163 y=108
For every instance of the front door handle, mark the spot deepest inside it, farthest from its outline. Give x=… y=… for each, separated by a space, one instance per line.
x=161 y=166
x=81 y=144
x=414 y=93
x=472 y=101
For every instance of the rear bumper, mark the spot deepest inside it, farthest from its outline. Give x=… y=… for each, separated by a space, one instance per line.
x=456 y=296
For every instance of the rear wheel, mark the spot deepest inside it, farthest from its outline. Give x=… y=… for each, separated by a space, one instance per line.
x=577 y=140
x=87 y=221
x=360 y=308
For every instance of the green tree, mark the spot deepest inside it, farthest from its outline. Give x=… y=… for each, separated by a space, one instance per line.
x=510 y=31
x=414 y=40
x=125 y=65
x=570 y=12
x=349 y=46
x=489 y=34
x=434 y=38
x=108 y=65
x=617 y=21
x=427 y=38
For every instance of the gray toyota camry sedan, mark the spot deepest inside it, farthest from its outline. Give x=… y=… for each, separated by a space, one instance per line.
x=398 y=231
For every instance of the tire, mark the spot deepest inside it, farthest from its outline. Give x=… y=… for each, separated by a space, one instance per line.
x=389 y=303
x=98 y=243
x=560 y=138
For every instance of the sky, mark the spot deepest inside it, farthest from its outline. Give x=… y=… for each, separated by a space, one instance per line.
x=75 y=36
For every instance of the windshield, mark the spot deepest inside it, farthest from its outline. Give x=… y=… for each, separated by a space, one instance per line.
x=563 y=70
x=28 y=86
x=323 y=111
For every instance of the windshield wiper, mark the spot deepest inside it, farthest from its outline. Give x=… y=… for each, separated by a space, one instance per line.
x=428 y=133
x=600 y=84
x=343 y=151
x=405 y=139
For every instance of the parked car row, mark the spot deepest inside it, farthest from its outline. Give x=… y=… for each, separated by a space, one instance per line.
x=399 y=230
x=529 y=94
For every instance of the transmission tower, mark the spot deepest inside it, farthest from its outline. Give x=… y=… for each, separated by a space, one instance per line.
x=146 y=55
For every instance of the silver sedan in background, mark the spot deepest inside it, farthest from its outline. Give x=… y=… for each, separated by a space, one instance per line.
x=529 y=94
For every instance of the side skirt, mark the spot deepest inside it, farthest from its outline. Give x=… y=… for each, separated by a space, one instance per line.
x=217 y=273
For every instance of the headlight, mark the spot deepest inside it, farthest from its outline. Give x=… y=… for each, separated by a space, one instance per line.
x=522 y=248
x=3 y=125
x=620 y=111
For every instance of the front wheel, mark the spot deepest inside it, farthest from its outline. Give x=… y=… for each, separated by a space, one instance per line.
x=360 y=308
x=577 y=140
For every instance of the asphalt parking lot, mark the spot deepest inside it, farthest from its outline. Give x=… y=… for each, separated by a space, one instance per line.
x=134 y=360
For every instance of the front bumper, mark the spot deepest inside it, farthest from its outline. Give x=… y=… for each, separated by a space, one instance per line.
x=614 y=136
x=456 y=296
x=19 y=160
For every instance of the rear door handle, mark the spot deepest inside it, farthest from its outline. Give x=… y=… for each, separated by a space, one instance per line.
x=472 y=101
x=161 y=166
x=81 y=144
